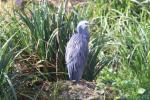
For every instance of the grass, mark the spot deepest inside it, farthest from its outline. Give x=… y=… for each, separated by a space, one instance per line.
x=119 y=45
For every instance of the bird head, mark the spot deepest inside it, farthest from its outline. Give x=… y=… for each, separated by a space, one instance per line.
x=82 y=26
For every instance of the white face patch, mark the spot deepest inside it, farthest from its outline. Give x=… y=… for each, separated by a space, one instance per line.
x=83 y=24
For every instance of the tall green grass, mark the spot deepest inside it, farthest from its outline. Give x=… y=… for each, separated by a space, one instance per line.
x=127 y=22
x=6 y=55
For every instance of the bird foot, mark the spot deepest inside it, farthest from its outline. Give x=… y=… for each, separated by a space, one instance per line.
x=74 y=82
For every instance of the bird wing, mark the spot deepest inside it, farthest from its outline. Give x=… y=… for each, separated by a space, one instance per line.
x=76 y=46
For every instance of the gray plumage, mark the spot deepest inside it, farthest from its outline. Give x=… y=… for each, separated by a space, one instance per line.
x=77 y=51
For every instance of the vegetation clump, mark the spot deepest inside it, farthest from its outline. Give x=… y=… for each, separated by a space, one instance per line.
x=33 y=40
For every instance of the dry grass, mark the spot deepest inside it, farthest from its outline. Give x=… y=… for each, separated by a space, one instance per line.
x=6 y=6
x=10 y=4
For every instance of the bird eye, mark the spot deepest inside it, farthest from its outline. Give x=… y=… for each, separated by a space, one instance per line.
x=86 y=23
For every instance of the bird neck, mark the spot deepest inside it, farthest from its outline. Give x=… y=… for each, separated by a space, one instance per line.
x=84 y=32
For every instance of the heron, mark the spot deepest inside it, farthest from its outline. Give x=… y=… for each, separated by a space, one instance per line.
x=77 y=51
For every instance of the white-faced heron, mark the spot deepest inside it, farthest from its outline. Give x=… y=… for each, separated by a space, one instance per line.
x=77 y=51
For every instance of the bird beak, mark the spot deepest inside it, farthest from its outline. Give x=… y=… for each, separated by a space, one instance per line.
x=91 y=23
